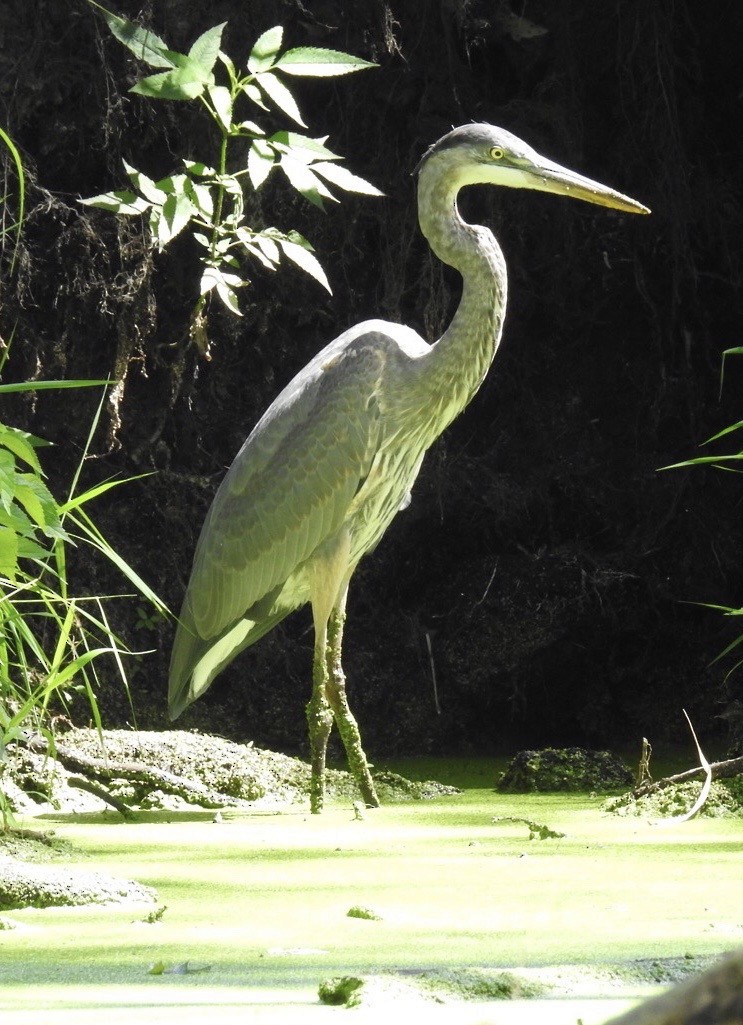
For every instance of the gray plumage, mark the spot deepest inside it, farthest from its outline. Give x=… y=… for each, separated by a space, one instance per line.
x=334 y=458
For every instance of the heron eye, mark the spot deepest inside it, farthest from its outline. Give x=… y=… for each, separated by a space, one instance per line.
x=497 y=153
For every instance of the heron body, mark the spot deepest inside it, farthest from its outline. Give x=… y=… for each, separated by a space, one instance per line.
x=334 y=458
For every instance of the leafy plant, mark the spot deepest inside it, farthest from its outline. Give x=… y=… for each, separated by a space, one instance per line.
x=726 y=461
x=207 y=196
x=15 y=227
x=50 y=640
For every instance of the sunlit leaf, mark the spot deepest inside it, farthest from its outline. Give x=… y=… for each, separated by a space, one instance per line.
x=229 y=64
x=22 y=444
x=206 y=48
x=316 y=62
x=253 y=93
x=261 y=160
x=269 y=248
x=302 y=147
x=177 y=211
x=280 y=95
x=249 y=126
x=196 y=167
x=146 y=185
x=8 y=552
x=265 y=49
x=21 y=195
x=119 y=202
x=24 y=386
x=304 y=181
x=34 y=496
x=343 y=178
x=201 y=196
x=222 y=100
x=224 y=284
x=304 y=259
x=187 y=80
x=142 y=42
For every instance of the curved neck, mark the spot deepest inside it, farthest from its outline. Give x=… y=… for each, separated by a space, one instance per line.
x=456 y=365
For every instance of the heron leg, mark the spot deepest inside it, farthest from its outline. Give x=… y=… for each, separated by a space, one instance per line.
x=319 y=722
x=336 y=694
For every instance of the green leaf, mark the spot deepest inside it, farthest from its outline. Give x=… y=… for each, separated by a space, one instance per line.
x=16 y=519
x=250 y=127
x=268 y=247
x=36 y=499
x=8 y=553
x=206 y=48
x=265 y=49
x=146 y=185
x=20 y=175
x=186 y=81
x=254 y=251
x=263 y=249
x=231 y=70
x=29 y=549
x=302 y=147
x=723 y=432
x=343 y=178
x=176 y=212
x=201 y=197
x=142 y=42
x=304 y=259
x=253 y=93
x=222 y=101
x=48 y=386
x=96 y=491
x=261 y=160
x=735 y=351
x=280 y=95
x=305 y=182
x=223 y=283
x=316 y=62
x=703 y=461
x=214 y=276
x=119 y=202
x=94 y=537
x=22 y=444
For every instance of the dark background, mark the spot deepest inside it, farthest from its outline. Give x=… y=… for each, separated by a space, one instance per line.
x=546 y=569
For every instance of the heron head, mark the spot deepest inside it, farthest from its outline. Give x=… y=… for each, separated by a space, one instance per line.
x=483 y=154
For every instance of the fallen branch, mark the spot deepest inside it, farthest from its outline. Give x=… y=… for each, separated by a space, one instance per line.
x=137 y=772
x=81 y=783
x=720 y=770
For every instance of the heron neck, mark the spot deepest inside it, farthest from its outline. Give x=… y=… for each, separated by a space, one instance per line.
x=456 y=365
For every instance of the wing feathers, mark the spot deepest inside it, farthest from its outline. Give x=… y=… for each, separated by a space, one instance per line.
x=310 y=454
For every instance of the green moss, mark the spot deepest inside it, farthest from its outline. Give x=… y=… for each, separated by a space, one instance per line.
x=342 y=991
x=564 y=769
x=725 y=801
x=357 y=911
x=482 y=984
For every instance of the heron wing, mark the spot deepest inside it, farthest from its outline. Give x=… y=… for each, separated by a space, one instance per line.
x=289 y=487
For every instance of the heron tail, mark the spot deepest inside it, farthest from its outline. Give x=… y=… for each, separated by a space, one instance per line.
x=196 y=660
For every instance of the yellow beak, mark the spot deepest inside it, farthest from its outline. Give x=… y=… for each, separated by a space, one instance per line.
x=547 y=176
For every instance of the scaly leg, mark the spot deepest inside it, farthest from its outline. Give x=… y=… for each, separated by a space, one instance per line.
x=319 y=721
x=336 y=695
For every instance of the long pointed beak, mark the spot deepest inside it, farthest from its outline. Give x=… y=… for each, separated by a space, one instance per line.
x=547 y=176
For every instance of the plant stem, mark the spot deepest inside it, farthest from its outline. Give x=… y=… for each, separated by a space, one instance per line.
x=217 y=218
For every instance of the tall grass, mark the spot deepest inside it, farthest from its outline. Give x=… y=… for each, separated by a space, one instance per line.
x=51 y=640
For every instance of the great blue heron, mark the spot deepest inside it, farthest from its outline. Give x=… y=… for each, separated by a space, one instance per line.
x=333 y=459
